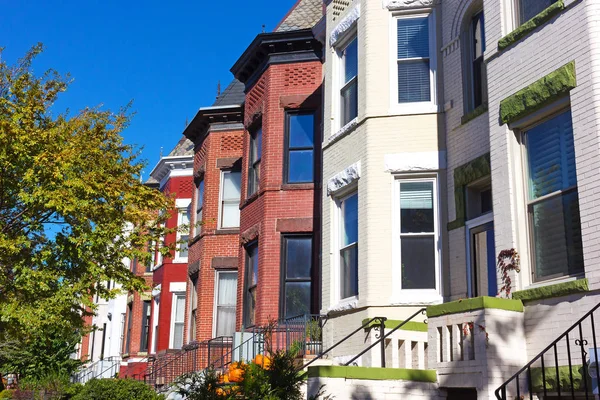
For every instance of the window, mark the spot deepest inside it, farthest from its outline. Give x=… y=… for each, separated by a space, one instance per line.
x=418 y=234
x=479 y=198
x=145 y=326
x=254 y=166
x=527 y=9
x=349 y=82
x=300 y=129
x=296 y=274
x=349 y=246
x=251 y=284
x=177 y=320
x=230 y=199
x=183 y=228
x=155 y=323
x=129 y=322
x=194 y=308
x=151 y=248
x=553 y=203
x=225 y=301
x=475 y=73
x=199 y=205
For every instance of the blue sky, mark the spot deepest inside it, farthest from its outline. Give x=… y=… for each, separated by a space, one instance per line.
x=165 y=56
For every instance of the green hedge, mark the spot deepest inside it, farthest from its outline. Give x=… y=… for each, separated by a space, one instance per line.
x=111 y=389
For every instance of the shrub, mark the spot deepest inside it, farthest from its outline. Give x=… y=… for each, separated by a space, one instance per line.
x=6 y=394
x=109 y=389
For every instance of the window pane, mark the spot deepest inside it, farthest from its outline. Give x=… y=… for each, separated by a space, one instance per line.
x=557 y=236
x=349 y=103
x=418 y=262
x=227 y=289
x=297 y=298
x=253 y=265
x=200 y=195
x=413 y=37
x=416 y=207
x=302 y=128
x=350 y=56
x=178 y=335
x=414 y=82
x=257 y=145
x=231 y=185
x=184 y=220
x=477 y=29
x=183 y=246
x=250 y=307
x=230 y=217
x=300 y=167
x=225 y=321
x=179 y=308
x=349 y=272
x=350 y=220
x=531 y=8
x=551 y=156
x=298 y=257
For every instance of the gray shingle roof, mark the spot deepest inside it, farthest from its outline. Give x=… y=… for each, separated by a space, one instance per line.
x=183 y=148
x=305 y=14
x=232 y=95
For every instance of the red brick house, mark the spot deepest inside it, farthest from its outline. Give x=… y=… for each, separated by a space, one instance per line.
x=154 y=321
x=279 y=211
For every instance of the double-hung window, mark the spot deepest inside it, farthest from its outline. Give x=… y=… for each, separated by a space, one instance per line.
x=300 y=142
x=415 y=58
x=418 y=234
x=254 y=161
x=527 y=9
x=177 y=320
x=193 y=308
x=296 y=275
x=183 y=228
x=349 y=81
x=348 y=208
x=230 y=199
x=199 y=206
x=553 y=203
x=145 y=326
x=475 y=73
x=251 y=284
x=129 y=317
x=225 y=302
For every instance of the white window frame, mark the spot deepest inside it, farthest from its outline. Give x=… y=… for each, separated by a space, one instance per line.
x=181 y=209
x=470 y=224
x=338 y=78
x=415 y=296
x=175 y=295
x=337 y=264
x=155 y=315
x=193 y=292
x=215 y=297
x=222 y=189
x=197 y=227
x=423 y=107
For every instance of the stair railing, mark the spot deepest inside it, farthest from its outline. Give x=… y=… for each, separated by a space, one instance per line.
x=380 y=323
x=568 y=391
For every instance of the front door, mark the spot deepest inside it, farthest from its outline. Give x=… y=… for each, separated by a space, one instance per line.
x=482 y=260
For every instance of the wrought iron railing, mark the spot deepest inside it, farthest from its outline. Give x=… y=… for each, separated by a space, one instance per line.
x=105 y=368
x=379 y=324
x=561 y=369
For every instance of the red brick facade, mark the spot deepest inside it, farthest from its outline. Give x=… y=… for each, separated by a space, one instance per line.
x=277 y=208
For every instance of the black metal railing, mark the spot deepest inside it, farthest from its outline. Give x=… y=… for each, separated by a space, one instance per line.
x=561 y=369
x=376 y=322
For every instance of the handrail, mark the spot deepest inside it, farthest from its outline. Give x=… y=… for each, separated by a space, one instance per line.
x=501 y=392
x=363 y=326
x=231 y=353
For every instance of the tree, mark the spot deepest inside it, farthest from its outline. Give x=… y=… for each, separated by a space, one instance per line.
x=72 y=206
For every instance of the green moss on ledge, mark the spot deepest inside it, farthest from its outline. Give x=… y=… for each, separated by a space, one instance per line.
x=540 y=93
x=482 y=109
x=550 y=291
x=376 y=374
x=477 y=303
x=564 y=377
x=529 y=26
x=391 y=324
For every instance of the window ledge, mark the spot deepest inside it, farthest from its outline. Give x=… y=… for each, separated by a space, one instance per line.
x=194 y=240
x=148 y=273
x=403 y=109
x=471 y=115
x=414 y=297
x=344 y=131
x=227 y=231
x=529 y=26
x=551 y=291
x=344 y=305
x=180 y=260
x=298 y=186
x=250 y=198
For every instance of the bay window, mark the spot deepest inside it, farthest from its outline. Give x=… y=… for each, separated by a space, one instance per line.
x=527 y=9
x=199 y=206
x=296 y=275
x=230 y=199
x=183 y=236
x=348 y=253
x=254 y=161
x=177 y=320
x=553 y=203
x=251 y=284
x=475 y=71
x=300 y=136
x=145 y=326
x=225 y=302
x=349 y=81
x=193 y=308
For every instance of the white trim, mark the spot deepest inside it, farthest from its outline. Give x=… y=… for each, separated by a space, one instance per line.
x=415 y=296
x=407 y=4
x=338 y=83
x=349 y=127
x=173 y=173
x=176 y=287
x=157 y=290
x=155 y=315
x=180 y=211
x=173 y=314
x=221 y=190
x=417 y=161
x=216 y=296
x=423 y=107
x=348 y=302
x=470 y=224
x=182 y=203
x=343 y=179
x=340 y=31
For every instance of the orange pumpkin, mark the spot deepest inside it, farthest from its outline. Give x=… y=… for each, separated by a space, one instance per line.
x=263 y=361
x=236 y=375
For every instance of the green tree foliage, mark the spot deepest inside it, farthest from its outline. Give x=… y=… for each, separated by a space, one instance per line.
x=72 y=207
x=112 y=389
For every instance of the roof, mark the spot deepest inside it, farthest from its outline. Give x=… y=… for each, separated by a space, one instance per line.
x=232 y=95
x=304 y=14
x=184 y=147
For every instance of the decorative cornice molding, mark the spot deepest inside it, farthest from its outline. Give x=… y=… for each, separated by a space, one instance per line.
x=344 y=25
x=404 y=4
